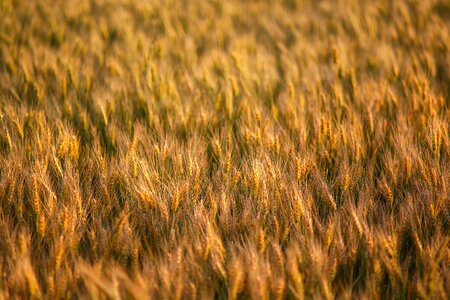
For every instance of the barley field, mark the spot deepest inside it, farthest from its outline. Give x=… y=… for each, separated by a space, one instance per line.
x=224 y=149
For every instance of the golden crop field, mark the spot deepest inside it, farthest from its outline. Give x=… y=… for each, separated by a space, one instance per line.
x=224 y=149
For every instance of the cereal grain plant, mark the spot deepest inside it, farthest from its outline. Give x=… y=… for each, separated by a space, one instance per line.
x=286 y=149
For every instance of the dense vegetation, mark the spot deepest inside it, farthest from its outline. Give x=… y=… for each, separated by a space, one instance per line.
x=224 y=149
